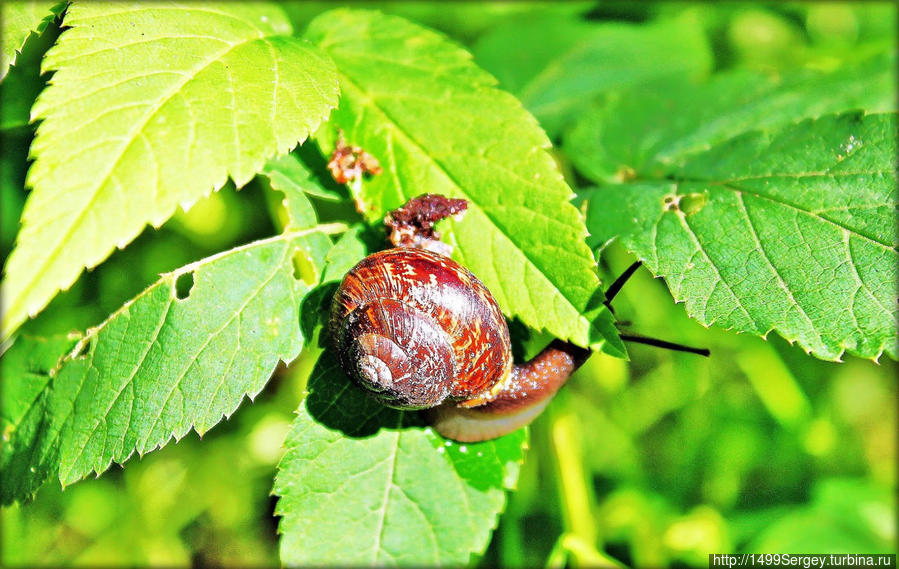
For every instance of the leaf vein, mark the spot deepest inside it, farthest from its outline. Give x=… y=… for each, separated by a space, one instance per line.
x=700 y=248
x=781 y=283
x=737 y=189
x=60 y=63
x=386 y=498
x=128 y=380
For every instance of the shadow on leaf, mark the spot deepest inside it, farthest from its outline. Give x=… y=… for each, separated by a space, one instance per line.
x=314 y=311
x=337 y=403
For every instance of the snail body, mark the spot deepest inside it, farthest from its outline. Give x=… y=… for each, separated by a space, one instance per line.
x=418 y=330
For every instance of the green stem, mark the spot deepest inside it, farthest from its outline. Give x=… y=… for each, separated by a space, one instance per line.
x=581 y=537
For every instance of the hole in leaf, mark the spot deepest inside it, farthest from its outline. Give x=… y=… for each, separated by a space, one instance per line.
x=304 y=268
x=692 y=203
x=81 y=349
x=687 y=203
x=670 y=202
x=625 y=174
x=183 y=285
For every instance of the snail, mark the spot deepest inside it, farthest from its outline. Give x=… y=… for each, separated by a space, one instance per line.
x=420 y=331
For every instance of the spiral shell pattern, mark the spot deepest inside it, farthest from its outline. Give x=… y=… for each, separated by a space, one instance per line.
x=415 y=327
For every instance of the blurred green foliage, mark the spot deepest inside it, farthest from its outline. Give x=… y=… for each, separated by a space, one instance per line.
x=657 y=461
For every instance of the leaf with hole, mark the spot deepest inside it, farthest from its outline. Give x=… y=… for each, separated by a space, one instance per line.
x=791 y=230
x=183 y=354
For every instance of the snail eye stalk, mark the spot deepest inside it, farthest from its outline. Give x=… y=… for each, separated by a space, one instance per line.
x=613 y=291
x=616 y=286
x=664 y=344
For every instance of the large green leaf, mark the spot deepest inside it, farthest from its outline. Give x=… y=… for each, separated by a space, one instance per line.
x=557 y=65
x=437 y=124
x=152 y=106
x=18 y=20
x=165 y=362
x=791 y=229
x=361 y=484
x=649 y=131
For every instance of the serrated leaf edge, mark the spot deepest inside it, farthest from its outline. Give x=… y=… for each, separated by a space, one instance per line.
x=81 y=350
x=220 y=180
x=543 y=148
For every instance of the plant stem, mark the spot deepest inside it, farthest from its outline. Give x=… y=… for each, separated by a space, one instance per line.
x=578 y=503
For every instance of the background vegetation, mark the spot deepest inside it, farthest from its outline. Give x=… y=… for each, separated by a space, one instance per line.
x=655 y=461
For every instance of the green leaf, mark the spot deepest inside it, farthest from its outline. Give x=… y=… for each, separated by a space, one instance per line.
x=152 y=106
x=346 y=252
x=791 y=229
x=27 y=368
x=556 y=66
x=288 y=173
x=23 y=82
x=437 y=124
x=648 y=132
x=288 y=176
x=361 y=484
x=173 y=359
x=18 y=20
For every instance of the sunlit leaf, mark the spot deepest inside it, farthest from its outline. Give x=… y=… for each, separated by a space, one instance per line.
x=18 y=20
x=791 y=229
x=437 y=124
x=151 y=106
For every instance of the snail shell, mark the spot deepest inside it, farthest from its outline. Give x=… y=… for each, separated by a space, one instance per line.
x=416 y=328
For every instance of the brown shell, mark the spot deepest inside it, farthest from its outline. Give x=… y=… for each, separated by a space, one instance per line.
x=420 y=314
